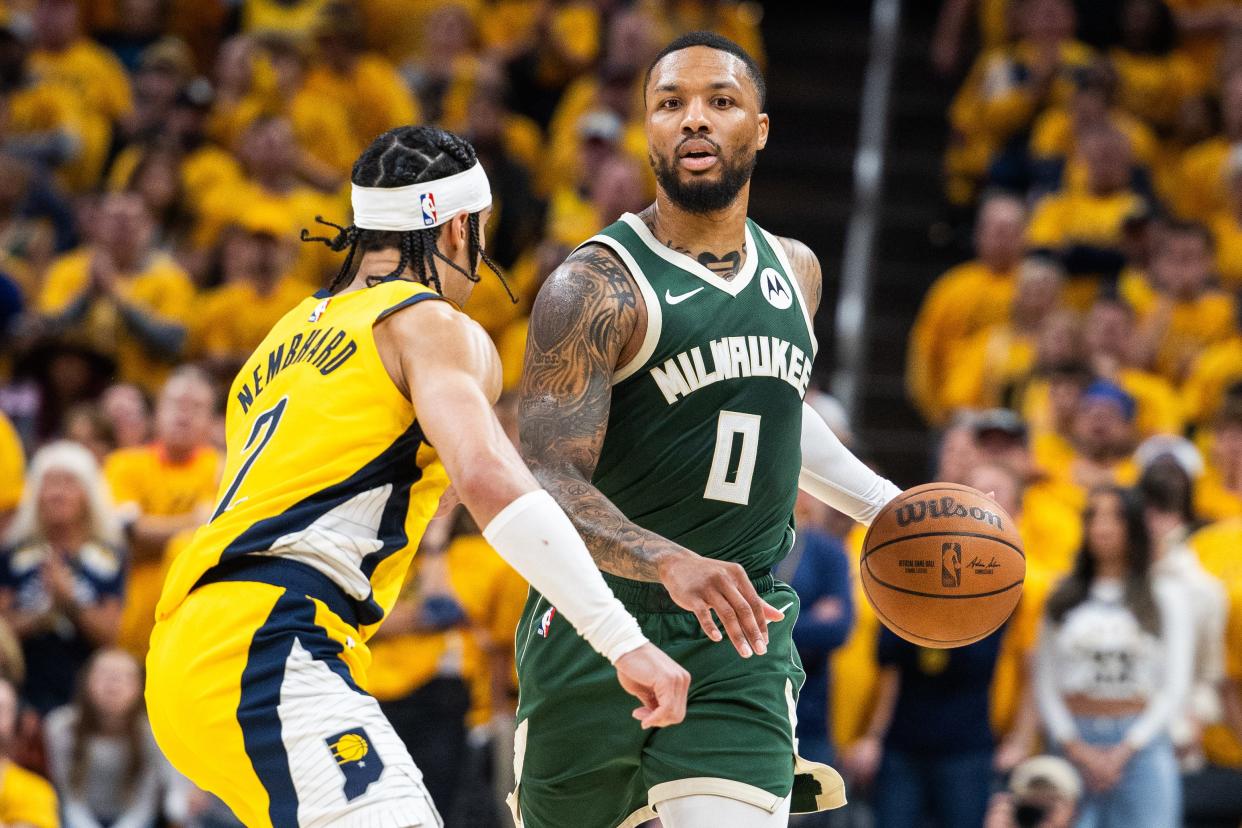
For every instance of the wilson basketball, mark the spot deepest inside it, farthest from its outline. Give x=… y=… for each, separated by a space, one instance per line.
x=943 y=565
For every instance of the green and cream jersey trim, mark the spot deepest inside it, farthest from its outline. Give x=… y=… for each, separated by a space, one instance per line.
x=703 y=443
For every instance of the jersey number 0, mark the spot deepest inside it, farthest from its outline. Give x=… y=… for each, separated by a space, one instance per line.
x=729 y=481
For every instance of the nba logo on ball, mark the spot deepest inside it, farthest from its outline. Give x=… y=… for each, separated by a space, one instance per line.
x=428 y=203
x=775 y=288
x=951 y=565
x=359 y=764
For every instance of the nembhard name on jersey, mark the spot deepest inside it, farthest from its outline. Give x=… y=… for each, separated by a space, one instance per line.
x=321 y=348
x=733 y=357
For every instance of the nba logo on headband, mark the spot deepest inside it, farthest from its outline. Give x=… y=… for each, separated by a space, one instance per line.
x=428 y=202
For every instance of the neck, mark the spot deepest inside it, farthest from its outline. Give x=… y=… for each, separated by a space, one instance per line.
x=177 y=452
x=66 y=535
x=717 y=240
x=1110 y=569
x=377 y=263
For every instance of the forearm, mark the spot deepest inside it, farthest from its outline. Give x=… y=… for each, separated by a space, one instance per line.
x=161 y=338
x=885 y=702
x=832 y=474
x=618 y=545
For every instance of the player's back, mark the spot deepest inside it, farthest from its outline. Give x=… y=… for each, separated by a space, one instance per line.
x=326 y=464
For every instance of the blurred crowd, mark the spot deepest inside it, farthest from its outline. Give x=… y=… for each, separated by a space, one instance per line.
x=1085 y=364
x=158 y=160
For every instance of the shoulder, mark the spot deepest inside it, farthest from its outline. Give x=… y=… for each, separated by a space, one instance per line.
x=806 y=269
x=592 y=281
x=416 y=331
x=586 y=269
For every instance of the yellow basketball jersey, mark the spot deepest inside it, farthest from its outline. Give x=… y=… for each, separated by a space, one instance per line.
x=326 y=464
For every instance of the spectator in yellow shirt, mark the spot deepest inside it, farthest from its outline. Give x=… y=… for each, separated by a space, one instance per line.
x=1227 y=226
x=1086 y=228
x=87 y=75
x=1103 y=438
x=1155 y=77
x=162 y=489
x=963 y=301
x=1181 y=311
x=1108 y=332
x=1054 y=147
x=268 y=153
x=1218 y=493
x=988 y=368
x=120 y=296
x=27 y=800
x=1007 y=88
x=1216 y=369
x=12 y=470
x=343 y=71
x=1202 y=189
x=233 y=318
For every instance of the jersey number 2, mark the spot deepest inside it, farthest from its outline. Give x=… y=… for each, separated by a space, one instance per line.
x=729 y=481
x=268 y=420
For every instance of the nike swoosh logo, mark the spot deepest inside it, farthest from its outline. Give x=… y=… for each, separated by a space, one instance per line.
x=681 y=297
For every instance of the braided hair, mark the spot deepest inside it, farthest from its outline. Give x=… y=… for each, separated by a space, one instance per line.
x=400 y=157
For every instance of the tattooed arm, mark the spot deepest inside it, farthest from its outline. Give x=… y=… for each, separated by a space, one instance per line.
x=582 y=322
x=806 y=270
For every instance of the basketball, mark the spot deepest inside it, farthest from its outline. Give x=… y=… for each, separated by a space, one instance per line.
x=943 y=565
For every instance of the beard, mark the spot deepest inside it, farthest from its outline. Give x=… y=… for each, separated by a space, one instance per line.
x=703 y=195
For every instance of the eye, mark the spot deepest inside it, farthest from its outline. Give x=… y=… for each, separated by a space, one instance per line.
x=670 y=103
x=722 y=102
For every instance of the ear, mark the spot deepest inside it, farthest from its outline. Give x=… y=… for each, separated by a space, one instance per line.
x=453 y=236
x=763 y=130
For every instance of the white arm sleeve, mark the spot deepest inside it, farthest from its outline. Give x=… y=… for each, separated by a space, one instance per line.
x=1177 y=644
x=831 y=473
x=535 y=536
x=1052 y=708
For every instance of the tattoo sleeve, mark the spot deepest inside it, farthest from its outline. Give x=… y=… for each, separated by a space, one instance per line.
x=581 y=320
x=807 y=271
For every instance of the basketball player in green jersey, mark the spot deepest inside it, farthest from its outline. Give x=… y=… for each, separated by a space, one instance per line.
x=662 y=406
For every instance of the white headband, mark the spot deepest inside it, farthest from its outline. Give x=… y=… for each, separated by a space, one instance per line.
x=423 y=205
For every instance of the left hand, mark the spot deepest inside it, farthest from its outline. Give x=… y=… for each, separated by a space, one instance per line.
x=58 y=580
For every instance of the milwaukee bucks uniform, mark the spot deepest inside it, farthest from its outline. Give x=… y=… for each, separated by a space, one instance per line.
x=703 y=448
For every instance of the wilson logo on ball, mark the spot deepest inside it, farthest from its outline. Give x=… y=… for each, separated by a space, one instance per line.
x=916 y=511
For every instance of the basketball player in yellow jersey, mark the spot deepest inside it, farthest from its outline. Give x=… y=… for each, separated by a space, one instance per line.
x=344 y=429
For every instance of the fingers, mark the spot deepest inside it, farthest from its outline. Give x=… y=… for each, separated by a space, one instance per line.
x=757 y=615
x=704 y=614
x=749 y=619
x=729 y=618
x=771 y=613
x=668 y=707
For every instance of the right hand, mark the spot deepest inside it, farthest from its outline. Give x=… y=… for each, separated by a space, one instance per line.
x=701 y=585
x=658 y=682
x=862 y=760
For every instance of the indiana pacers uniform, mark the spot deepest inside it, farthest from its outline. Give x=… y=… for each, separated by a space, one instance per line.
x=258 y=661
x=703 y=447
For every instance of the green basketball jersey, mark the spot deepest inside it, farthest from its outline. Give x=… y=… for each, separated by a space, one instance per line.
x=704 y=435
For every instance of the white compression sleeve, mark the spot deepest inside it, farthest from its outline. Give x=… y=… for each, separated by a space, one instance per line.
x=535 y=536
x=831 y=473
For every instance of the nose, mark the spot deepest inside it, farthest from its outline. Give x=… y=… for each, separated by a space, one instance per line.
x=695 y=117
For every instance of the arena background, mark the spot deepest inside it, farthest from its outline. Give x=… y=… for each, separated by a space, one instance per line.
x=158 y=159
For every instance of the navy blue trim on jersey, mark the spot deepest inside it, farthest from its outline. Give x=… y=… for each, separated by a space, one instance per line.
x=322 y=293
x=395 y=466
x=405 y=303
x=288 y=574
x=292 y=619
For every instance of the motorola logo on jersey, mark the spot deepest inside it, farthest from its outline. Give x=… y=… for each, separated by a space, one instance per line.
x=775 y=289
x=428 y=202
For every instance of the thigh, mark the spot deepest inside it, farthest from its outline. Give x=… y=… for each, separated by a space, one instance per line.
x=1149 y=793
x=961 y=787
x=899 y=791
x=577 y=749
x=738 y=736
x=267 y=713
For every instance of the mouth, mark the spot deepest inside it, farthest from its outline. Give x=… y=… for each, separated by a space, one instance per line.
x=697 y=155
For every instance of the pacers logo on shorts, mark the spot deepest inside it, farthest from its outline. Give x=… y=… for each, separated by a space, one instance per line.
x=951 y=565
x=359 y=763
x=428 y=202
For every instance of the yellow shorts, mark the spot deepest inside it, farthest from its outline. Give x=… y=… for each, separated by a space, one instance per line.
x=254 y=690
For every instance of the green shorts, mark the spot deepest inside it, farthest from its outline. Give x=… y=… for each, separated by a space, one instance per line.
x=581 y=759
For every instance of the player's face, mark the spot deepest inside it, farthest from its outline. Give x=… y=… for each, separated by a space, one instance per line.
x=704 y=127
